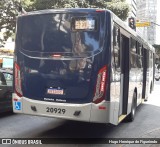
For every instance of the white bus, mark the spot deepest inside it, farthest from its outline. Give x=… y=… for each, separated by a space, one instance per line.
x=80 y=64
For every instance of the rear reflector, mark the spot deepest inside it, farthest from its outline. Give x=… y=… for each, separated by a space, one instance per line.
x=15 y=99
x=102 y=107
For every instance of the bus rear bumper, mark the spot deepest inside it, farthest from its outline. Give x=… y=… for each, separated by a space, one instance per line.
x=88 y=112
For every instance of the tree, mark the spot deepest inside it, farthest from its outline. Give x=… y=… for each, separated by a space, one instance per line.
x=9 y=9
x=8 y=14
x=119 y=7
x=157 y=49
x=7 y=18
x=157 y=55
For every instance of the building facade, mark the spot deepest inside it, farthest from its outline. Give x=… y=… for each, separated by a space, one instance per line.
x=147 y=12
x=158 y=22
x=133 y=8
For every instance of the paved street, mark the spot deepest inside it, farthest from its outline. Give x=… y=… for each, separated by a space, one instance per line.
x=146 y=124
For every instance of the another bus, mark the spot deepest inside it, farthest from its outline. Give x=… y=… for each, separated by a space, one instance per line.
x=80 y=64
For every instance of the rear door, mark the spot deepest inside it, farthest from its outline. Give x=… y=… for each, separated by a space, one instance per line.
x=124 y=86
x=121 y=73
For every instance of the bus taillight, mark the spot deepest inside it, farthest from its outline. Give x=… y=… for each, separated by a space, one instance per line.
x=98 y=10
x=18 y=88
x=100 y=88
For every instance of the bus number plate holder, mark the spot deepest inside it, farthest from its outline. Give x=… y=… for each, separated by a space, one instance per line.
x=55 y=91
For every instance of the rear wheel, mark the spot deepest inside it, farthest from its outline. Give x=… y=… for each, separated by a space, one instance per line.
x=131 y=116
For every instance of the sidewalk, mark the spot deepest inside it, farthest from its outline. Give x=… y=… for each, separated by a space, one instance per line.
x=154 y=99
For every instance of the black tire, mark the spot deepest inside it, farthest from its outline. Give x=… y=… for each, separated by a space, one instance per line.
x=131 y=116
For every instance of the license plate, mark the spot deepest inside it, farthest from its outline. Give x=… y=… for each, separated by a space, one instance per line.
x=55 y=91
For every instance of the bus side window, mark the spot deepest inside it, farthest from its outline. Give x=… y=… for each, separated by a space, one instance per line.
x=150 y=59
x=139 y=56
x=116 y=47
x=133 y=46
x=133 y=59
x=139 y=49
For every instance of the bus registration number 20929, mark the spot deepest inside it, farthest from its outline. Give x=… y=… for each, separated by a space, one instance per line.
x=55 y=110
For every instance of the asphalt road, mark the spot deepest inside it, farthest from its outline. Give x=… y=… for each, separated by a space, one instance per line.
x=146 y=124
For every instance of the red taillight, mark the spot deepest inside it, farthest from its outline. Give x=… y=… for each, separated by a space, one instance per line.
x=100 y=85
x=18 y=88
x=98 y=10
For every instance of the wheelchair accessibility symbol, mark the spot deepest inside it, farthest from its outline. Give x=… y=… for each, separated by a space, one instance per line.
x=18 y=105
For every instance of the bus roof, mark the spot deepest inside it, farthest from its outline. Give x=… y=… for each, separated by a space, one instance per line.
x=61 y=10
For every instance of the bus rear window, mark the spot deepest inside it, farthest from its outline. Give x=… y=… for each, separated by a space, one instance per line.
x=75 y=33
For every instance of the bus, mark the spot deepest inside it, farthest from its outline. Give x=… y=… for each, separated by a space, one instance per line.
x=80 y=64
